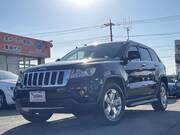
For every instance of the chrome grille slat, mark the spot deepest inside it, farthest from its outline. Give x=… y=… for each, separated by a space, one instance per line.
x=43 y=79
x=32 y=79
x=37 y=79
x=49 y=83
x=57 y=78
x=65 y=74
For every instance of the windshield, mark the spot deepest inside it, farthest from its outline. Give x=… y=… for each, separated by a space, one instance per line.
x=93 y=52
x=4 y=75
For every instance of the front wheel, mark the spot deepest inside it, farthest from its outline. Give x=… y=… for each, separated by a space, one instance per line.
x=36 y=117
x=112 y=105
x=162 y=102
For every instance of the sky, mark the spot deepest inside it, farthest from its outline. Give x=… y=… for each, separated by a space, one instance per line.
x=28 y=17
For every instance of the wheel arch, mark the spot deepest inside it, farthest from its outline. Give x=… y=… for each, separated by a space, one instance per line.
x=116 y=79
x=119 y=81
x=165 y=80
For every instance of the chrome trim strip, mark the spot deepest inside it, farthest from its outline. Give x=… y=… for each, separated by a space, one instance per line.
x=144 y=102
x=27 y=109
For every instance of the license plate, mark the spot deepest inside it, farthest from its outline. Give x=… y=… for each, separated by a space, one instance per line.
x=37 y=96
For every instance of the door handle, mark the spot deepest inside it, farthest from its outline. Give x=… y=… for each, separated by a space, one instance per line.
x=156 y=65
x=143 y=65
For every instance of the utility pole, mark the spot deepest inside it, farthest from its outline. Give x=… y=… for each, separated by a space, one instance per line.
x=127 y=29
x=110 y=25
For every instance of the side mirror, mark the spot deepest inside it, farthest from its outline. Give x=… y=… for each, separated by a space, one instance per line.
x=58 y=60
x=133 y=55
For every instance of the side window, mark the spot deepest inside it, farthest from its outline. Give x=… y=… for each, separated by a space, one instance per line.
x=133 y=54
x=144 y=53
x=178 y=76
x=154 y=56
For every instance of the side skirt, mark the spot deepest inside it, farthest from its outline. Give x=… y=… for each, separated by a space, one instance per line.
x=142 y=102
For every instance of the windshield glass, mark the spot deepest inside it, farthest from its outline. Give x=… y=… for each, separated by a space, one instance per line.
x=101 y=51
x=7 y=75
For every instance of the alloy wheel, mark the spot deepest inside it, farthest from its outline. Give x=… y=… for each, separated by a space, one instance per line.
x=163 y=95
x=112 y=104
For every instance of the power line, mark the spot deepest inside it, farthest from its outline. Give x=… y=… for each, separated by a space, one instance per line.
x=110 y=24
x=152 y=34
x=158 y=19
x=85 y=39
x=81 y=29
x=66 y=31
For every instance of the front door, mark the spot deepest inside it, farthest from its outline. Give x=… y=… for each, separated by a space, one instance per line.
x=135 y=69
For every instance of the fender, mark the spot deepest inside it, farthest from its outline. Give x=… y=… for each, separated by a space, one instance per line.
x=163 y=76
x=117 y=79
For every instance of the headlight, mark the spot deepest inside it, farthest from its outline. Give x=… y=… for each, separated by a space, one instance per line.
x=19 y=83
x=11 y=88
x=77 y=73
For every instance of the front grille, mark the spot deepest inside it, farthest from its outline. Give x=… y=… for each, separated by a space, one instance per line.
x=46 y=78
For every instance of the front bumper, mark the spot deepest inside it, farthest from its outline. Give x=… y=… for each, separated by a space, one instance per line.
x=62 y=99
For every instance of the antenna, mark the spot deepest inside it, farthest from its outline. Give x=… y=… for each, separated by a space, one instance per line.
x=127 y=25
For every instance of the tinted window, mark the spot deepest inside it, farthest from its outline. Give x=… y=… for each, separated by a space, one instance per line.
x=7 y=75
x=178 y=76
x=100 y=51
x=154 y=56
x=133 y=49
x=144 y=53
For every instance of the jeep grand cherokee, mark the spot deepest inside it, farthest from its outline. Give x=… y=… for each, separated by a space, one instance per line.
x=100 y=80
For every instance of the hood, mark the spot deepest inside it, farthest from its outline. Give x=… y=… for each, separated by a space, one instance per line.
x=10 y=81
x=65 y=64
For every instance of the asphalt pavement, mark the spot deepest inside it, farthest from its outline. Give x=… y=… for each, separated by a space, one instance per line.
x=141 y=120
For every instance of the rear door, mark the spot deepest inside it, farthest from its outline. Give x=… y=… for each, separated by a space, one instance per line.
x=157 y=67
x=148 y=72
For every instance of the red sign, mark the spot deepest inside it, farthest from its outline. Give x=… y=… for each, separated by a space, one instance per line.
x=23 y=46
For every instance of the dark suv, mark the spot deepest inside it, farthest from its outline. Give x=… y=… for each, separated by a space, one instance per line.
x=100 y=80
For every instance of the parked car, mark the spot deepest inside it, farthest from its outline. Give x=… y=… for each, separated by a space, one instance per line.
x=7 y=84
x=100 y=79
x=171 y=85
x=177 y=92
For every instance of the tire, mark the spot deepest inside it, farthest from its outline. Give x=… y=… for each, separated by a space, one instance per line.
x=36 y=117
x=161 y=104
x=111 y=106
x=2 y=101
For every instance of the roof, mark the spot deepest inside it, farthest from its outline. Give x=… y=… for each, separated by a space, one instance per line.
x=126 y=42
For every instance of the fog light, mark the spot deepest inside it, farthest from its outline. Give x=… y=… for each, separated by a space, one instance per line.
x=83 y=92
